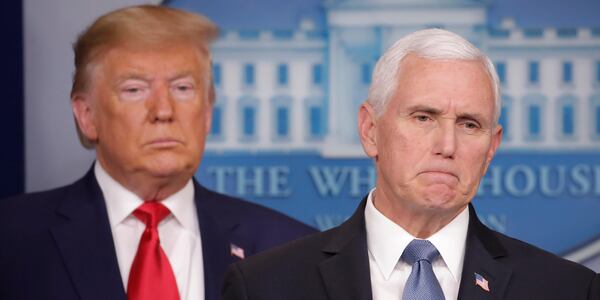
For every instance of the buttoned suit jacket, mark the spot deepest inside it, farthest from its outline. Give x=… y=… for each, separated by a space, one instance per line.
x=58 y=244
x=334 y=265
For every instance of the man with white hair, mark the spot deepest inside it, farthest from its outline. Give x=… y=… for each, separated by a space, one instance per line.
x=430 y=124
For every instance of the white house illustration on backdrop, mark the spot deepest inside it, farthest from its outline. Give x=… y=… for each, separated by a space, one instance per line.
x=300 y=89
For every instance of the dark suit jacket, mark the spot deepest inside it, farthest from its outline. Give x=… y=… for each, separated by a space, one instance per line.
x=58 y=244
x=335 y=265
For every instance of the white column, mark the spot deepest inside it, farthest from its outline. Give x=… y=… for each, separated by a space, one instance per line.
x=231 y=78
x=264 y=80
x=300 y=72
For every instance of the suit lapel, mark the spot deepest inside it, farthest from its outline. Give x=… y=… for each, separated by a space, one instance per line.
x=215 y=241
x=482 y=251
x=85 y=242
x=346 y=273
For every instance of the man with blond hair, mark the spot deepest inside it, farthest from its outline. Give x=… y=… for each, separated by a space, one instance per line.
x=137 y=226
x=430 y=124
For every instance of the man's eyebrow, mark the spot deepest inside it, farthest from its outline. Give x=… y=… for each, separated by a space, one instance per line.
x=129 y=76
x=436 y=111
x=182 y=74
x=424 y=108
x=471 y=116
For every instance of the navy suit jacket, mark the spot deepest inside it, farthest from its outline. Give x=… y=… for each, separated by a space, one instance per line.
x=58 y=244
x=334 y=265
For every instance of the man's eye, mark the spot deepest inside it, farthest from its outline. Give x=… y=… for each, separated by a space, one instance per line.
x=183 y=91
x=422 y=118
x=134 y=93
x=132 y=90
x=183 y=88
x=471 y=125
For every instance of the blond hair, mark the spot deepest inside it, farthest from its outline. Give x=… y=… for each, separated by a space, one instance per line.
x=143 y=25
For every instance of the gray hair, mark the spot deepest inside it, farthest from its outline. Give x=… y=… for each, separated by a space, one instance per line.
x=430 y=44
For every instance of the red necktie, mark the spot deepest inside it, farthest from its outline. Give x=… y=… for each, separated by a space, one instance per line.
x=151 y=276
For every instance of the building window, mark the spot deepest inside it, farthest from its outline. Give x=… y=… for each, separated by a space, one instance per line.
x=249 y=74
x=317 y=74
x=315 y=120
x=365 y=73
x=217 y=116
x=534 y=72
x=283 y=34
x=282 y=121
x=533 y=117
x=533 y=32
x=249 y=34
x=594 y=115
x=216 y=74
x=568 y=120
x=282 y=75
x=597 y=119
x=501 y=70
x=566 y=32
x=280 y=113
x=567 y=72
x=534 y=120
x=248 y=116
x=598 y=71
x=566 y=107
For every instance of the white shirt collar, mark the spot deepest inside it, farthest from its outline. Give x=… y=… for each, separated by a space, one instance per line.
x=386 y=240
x=121 y=202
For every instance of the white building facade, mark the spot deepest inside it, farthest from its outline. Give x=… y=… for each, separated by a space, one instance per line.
x=299 y=90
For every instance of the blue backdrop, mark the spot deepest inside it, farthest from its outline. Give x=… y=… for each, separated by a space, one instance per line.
x=291 y=74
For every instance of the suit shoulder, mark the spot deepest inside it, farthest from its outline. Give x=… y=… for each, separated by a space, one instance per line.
x=29 y=215
x=290 y=271
x=253 y=217
x=245 y=209
x=30 y=204
x=526 y=254
x=297 y=254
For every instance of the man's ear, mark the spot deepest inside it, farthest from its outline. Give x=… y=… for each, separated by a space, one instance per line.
x=208 y=110
x=81 y=103
x=495 y=143
x=367 y=129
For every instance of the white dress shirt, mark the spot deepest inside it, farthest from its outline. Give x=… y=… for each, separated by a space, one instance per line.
x=386 y=241
x=179 y=233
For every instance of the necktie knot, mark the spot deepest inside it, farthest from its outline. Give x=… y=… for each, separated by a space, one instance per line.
x=421 y=283
x=151 y=213
x=420 y=250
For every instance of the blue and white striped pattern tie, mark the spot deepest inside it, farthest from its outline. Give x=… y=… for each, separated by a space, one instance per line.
x=421 y=284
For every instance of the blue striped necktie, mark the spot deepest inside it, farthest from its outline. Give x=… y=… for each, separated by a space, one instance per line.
x=421 y=283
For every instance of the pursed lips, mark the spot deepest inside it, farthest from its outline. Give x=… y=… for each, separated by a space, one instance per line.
x=439 y=171
x=163 y=142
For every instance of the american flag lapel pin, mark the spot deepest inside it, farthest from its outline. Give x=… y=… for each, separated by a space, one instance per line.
x=237 y=251
x=482 y=282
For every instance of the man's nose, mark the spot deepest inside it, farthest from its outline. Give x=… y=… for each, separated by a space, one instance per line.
x=445 y=139
x=161 y=106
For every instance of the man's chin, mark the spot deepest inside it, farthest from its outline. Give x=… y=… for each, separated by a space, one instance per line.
x=169 y=168
x=440 y=196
